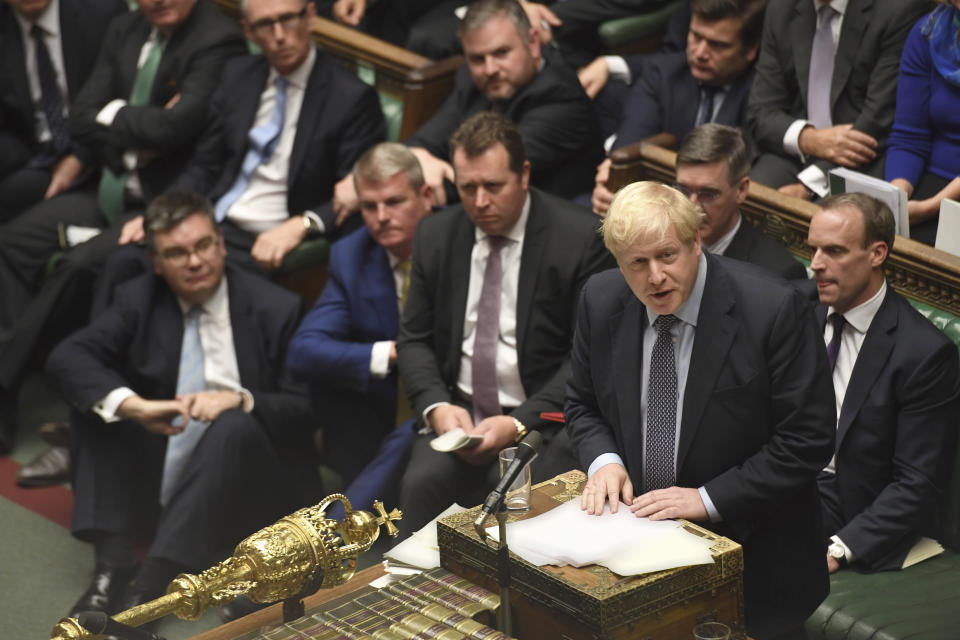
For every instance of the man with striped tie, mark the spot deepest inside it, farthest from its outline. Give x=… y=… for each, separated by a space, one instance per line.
x=186 y=428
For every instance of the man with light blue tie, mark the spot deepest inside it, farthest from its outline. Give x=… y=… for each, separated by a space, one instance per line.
x=178 y=392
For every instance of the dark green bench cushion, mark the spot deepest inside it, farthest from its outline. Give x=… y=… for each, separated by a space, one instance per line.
x=615 y=33
x=921 y=602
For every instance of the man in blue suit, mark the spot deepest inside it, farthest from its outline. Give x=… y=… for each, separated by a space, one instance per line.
x=346 y=344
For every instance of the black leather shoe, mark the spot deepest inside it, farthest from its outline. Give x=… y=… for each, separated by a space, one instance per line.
x=49 y=468
x=241 y=606
x=105 y=590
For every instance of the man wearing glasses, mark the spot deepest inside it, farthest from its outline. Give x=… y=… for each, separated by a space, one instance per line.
x=713 y=167
x=185 y=424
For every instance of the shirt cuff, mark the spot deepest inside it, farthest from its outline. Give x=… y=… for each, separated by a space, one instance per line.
x=313 y=216
x=426 y=412
x=791 y=139
x=846 y=550
x=380 y=359
x=248 y=404
x=106 y=115
x=604 y=459
x=107 y=408
x=618 y=68
x=712 y=512
x=130 y=160
x=815 y=179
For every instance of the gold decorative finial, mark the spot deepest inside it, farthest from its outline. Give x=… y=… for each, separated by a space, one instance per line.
x=273 y=564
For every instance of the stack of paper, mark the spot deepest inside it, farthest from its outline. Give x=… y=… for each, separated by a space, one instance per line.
x=421 y=550
x=622 y=542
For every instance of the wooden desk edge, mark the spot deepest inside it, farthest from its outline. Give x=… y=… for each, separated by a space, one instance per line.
x=274 y=613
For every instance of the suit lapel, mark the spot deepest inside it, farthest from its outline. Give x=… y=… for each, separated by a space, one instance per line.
x=688 y=108
x=851 y=32
x=379 y=289
x=716 y=329
x=534 y=241
x=72 y=45
x=461 y=250
x=874 y=353
x=314 y=99
x=243 y=326
x=803 y=27
x=168 y=330
x=626 y=331
x=15 y=71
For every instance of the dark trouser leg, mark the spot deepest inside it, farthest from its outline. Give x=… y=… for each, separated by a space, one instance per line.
x=775 y=170
x=830 y=501
x=433 y=481
x=434 y=34
x=233 y=485
x=21 y=190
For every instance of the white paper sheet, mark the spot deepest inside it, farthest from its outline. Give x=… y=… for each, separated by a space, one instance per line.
x=620 y=541
x=421 y=549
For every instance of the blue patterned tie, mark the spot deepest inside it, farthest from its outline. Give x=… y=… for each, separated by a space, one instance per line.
x=190 y=379
x=658 y=466
x=262 y=141
x=51 y=101
x=705 y=114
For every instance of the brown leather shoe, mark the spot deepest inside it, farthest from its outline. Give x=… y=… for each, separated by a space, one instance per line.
x=49 y=468
x=55 y=434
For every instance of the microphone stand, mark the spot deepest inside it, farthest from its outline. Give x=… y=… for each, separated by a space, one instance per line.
x=505 y=621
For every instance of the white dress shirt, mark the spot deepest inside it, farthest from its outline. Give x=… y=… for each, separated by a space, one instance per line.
x=219 y=354
x=263 y=205
x=858 y=320
x=380 y=352
x=49 y=22
x=720 y=247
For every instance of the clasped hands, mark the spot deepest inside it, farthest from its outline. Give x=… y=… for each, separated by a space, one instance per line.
x=158 y=416
x=498 y=432
x=611 y=483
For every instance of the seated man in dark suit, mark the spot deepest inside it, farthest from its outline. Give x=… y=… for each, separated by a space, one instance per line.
x=699 y=390
x=346 y=345
x=825 y=89
x=47 y=50
x=485 y=335
x=165 y=449
x=138 y=117
x=895 y=377
x=709 y=82
x=509 y=72
x=713 y=170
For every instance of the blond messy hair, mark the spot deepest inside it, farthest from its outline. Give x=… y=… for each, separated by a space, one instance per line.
x=649 y=210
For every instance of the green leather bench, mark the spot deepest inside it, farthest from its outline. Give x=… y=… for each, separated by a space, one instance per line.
x=639 y=33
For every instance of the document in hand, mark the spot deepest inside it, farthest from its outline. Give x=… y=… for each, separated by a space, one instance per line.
x=622 y=542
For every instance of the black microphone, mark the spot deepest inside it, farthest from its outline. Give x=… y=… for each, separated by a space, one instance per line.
x=99 y=623
x=526 y=450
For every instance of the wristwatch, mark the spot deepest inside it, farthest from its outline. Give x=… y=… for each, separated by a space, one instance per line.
x=521 y=430
x=835 y=551
x=310 y=224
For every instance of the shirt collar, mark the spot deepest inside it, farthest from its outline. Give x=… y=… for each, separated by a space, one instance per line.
x=516 y=233
x=216 y=305
x=49 y=21
x=720 y=246
x=862 y=315
x=299 y=76
x=840 y=6
x=690 y=309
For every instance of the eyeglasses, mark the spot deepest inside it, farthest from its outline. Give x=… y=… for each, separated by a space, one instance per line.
x=180 y=256
x=288 y=21
x=704 y=196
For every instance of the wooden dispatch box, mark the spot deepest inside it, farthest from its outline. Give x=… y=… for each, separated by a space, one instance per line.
x=555 y=603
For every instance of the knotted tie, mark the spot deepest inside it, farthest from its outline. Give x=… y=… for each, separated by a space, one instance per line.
x=486 y=398
x=262 y=141
x=51 y=101
x=705 y=114
x=110 y=192
x=190 y=379
x=833 y=349
x=658 y=466
x=821 y=70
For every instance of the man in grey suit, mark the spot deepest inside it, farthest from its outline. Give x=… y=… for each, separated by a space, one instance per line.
x=713 y=166
x=825 y=88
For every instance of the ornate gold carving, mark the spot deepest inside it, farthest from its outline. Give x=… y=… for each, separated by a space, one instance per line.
x=275 y=563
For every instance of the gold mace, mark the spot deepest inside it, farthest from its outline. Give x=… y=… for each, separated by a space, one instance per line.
x=273 y=564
